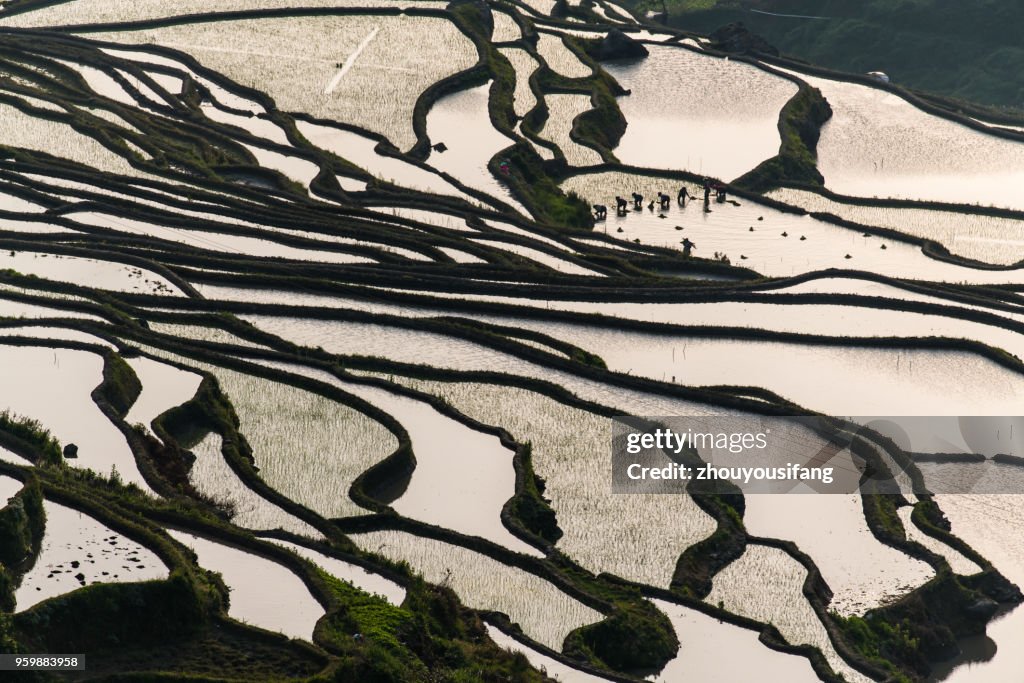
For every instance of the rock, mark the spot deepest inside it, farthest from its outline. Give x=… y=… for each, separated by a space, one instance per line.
x=70 y=451
x=440 y=147
x=737 y=39
x=617 y=45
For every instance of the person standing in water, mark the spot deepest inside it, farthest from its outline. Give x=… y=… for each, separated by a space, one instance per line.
x=688 y=247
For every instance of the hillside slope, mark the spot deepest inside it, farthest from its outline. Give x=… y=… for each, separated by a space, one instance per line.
x=967 y=50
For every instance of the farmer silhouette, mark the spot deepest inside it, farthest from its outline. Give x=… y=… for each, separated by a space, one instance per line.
x=620 y=205
x=600 y=212
x=688 y=247
x=638 y=201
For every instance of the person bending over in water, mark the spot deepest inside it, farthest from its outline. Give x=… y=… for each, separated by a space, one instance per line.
x=638 y=201
x=664 y=200
x=621 y=205
x=600 y=212
x=683 y=195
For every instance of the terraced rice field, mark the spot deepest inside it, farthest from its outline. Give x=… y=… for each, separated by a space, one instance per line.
x=682 y=113
x=407 y=54
x=287 y=286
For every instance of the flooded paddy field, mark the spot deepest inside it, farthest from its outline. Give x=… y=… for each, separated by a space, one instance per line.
x=289 y=609
x=737 y=588
x=545 y=614
x=683 y=113
x=762 y=238
x=878 y=144
x=77 y=550
x=310 y=354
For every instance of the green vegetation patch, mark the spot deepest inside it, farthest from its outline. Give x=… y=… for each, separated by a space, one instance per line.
x=800 y=125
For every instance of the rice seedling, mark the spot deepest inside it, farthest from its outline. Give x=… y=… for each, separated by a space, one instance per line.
x=542 y=7
x=524 y=64
x=399 y=344
x=263 y=592
x=298 y=61
x=213 y=477
x=698 y=113
x=545 y=613
x=371 y=583
x=78 y=550
x=61 y=140
x=559 y=58
x=307 y=447
x=41 y=103
x=115 y=11
x=983 y=238
x=200 y=333
x=562 y=110
x=462 y=489
x=505 y=28
x=638 y=537
x=440 y=351
x=766 y=584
